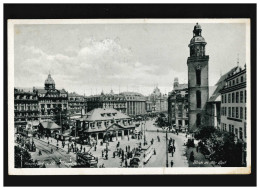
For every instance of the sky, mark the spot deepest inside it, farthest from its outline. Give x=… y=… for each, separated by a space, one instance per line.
x=89 y=58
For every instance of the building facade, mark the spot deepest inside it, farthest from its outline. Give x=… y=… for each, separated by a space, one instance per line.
x=107 y=124
x=25 y=106
x=178 y=114
x=197 y=80
x=233 y=104
x=76 y=103
x=115 y=101
x=135 y=103
x=159 y=101
x=51 y=99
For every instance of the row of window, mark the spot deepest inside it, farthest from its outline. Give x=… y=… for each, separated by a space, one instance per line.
x=236 y=81
x=25 y=97
x=235 y=112
x=234 y=97
x=25 y=108
x=53 y=105
x=234 y=130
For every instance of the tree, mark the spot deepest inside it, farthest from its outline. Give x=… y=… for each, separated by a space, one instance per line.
x=23 y=158
x=205 y=133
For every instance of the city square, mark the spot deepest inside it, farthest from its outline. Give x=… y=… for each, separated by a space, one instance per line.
x=87 y=122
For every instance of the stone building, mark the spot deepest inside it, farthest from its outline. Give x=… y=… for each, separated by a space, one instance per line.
x=233 y=104
x=178 y=115
x=197 y=80
x=135 y=103
x=76 y=103
x=111 y=100
x=51 y=99
x=25 y=106
x=159 y=101
x=104 y=123
x=214 y=103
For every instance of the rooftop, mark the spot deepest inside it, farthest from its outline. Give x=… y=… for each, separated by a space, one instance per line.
x=104 y=114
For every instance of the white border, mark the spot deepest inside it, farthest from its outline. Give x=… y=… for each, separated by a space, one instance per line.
x=114 y=171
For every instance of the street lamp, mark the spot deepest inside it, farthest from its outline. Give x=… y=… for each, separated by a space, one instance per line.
x=167 y=149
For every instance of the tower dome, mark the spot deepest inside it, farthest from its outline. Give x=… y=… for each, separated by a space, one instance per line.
x=49 y=83
x=49 y=80
x=197 y=43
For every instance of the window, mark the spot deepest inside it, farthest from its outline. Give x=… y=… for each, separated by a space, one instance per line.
x=240 y=133
x=237 y=116
x=225 y=127
x=242 y=79
x=241 y=112
x=233 y=97
x=233 y=112
x=232 y=129
x=198 y=97
x=237 y=97
x=222 y=99
x=245 y=130
x=241 y=97
x=229 y=128
x=198 y=119
x=48 y=105
x=237 y=80
x=236 y=132
x=245 y=113
x=229 y=98
x=225 y=98
x=229 y=111
x=233 y=82
x=245 y=96
x=198 y=76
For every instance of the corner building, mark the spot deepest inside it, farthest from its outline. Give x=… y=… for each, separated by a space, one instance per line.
x=198 y=89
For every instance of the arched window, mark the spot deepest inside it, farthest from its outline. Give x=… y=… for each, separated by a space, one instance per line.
x=198 y=98
x=198 y=121
x=198 y=76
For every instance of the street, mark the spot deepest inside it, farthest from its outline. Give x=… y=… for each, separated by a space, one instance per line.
x=159 y=160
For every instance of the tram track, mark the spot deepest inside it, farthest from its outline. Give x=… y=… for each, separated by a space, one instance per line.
x=47 y=149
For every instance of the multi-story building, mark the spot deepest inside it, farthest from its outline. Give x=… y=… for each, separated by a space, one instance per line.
x=76 y=103
x=104 y=123
x=135 y=103
x=115 y=101
x=159 y=101
x=51 y=99
x=233 y=104
x=214 y=103
x=178 y=115
x=197 y=80
x=25 y=106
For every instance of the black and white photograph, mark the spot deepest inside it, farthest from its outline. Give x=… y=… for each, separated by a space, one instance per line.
x=108 y=96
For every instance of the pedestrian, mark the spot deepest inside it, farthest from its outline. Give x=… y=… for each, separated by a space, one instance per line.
x=172 y=163
x=128 y=148
x=114 y=154
x=192 y=156
x=154 y=152
x=172 y=153
x=95 y=148
x=106 y=156
x=97 y=159
x=126 y=163
x=84 y=149
x=174 y=148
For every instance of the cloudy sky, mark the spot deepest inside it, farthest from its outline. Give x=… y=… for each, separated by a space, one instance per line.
x=87 y=58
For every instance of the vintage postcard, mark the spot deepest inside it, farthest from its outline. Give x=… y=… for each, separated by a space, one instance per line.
x=129 y=96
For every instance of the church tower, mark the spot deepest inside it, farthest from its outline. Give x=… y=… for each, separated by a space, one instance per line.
x=197 y=80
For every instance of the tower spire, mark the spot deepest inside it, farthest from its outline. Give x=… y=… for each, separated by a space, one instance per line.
x=238 y=59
